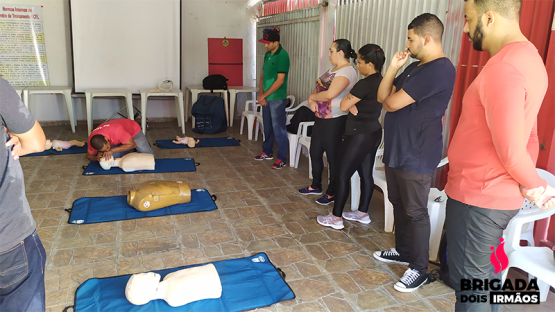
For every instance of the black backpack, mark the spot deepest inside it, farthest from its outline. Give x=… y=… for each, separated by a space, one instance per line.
x=302 y=114
x=214 y=82
x=209 y=112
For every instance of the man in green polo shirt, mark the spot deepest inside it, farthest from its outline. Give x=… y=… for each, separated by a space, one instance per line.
x=273 y=98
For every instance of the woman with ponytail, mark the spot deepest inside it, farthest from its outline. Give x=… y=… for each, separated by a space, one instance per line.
x=363 y=135
x=329 y=124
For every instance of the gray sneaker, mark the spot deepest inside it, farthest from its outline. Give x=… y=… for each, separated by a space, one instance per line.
x=356 y=216
x=330 y=221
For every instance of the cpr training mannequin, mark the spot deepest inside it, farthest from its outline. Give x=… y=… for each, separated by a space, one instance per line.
x=152 y=195
x=191 y=142
x=130 y=162
x=177 y=289
x=62 y=145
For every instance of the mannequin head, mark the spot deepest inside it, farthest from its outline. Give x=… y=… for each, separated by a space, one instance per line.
x=191 y=142
x=106 y=164
x=141 y=288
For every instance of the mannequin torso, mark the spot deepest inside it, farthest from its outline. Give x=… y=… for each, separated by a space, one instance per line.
x=177 y=289
x=130 y=162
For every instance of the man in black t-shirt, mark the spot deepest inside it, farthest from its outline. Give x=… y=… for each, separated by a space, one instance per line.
x=416 y=102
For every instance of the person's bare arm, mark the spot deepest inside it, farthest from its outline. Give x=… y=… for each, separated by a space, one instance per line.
x=313 y=105
x=397 y=101
x=261 y=90
x=387 y=89
x=347 y=102
x=32 y=141
x=338 y=84
x=92 y=157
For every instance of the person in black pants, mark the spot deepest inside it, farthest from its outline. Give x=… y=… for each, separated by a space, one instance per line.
x=329 y=124
x=415 y=102
x=363 y=135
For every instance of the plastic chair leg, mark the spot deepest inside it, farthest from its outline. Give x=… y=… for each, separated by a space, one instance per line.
x=250 y=125
x=69 y=104
x=388 y=213
x=298 y=154
x=293 y=139
x=355 y=191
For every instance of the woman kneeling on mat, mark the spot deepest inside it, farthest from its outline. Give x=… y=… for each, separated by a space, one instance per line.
x=363 y=135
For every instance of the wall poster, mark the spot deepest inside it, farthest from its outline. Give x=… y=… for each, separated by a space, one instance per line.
x=22 y=51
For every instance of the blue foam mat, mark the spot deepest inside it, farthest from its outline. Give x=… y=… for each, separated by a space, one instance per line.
x=115 y=208
x=72 y=150
x=160 y=166
x=203 y=142
x=247 y=283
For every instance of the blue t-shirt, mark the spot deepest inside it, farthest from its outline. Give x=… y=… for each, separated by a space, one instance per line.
x=413 y=138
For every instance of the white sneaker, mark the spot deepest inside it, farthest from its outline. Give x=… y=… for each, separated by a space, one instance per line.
x=356 y=216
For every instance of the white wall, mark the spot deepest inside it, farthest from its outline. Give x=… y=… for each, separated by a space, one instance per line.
x=201 y=19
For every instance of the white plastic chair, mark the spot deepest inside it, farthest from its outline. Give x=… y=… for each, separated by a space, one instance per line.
x=293 y=137
x=250 y=114
x=437 y=203
x=254 y=111
x=259 y=124
x=303 y=141
x=537 y=261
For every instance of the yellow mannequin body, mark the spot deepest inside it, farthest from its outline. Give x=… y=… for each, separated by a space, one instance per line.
x=152 y=195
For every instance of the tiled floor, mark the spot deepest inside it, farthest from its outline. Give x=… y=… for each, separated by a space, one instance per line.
x=259 y=210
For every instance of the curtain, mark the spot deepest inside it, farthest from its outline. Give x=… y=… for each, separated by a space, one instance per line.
x=546 y=119
x=536 y=18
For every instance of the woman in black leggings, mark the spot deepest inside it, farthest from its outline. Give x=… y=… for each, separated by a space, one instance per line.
x=329 y=124
x=363 y=135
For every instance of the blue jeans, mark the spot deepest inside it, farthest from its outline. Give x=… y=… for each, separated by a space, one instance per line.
x=273 y=116
x=142 y=146
x=22 y=276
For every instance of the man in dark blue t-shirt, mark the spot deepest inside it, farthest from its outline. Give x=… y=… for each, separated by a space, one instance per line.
x=415 y=102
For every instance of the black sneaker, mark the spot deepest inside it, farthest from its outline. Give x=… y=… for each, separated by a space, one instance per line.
x=390 y=256
x=310 y=191
x=325 y=200
x=411 y=280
